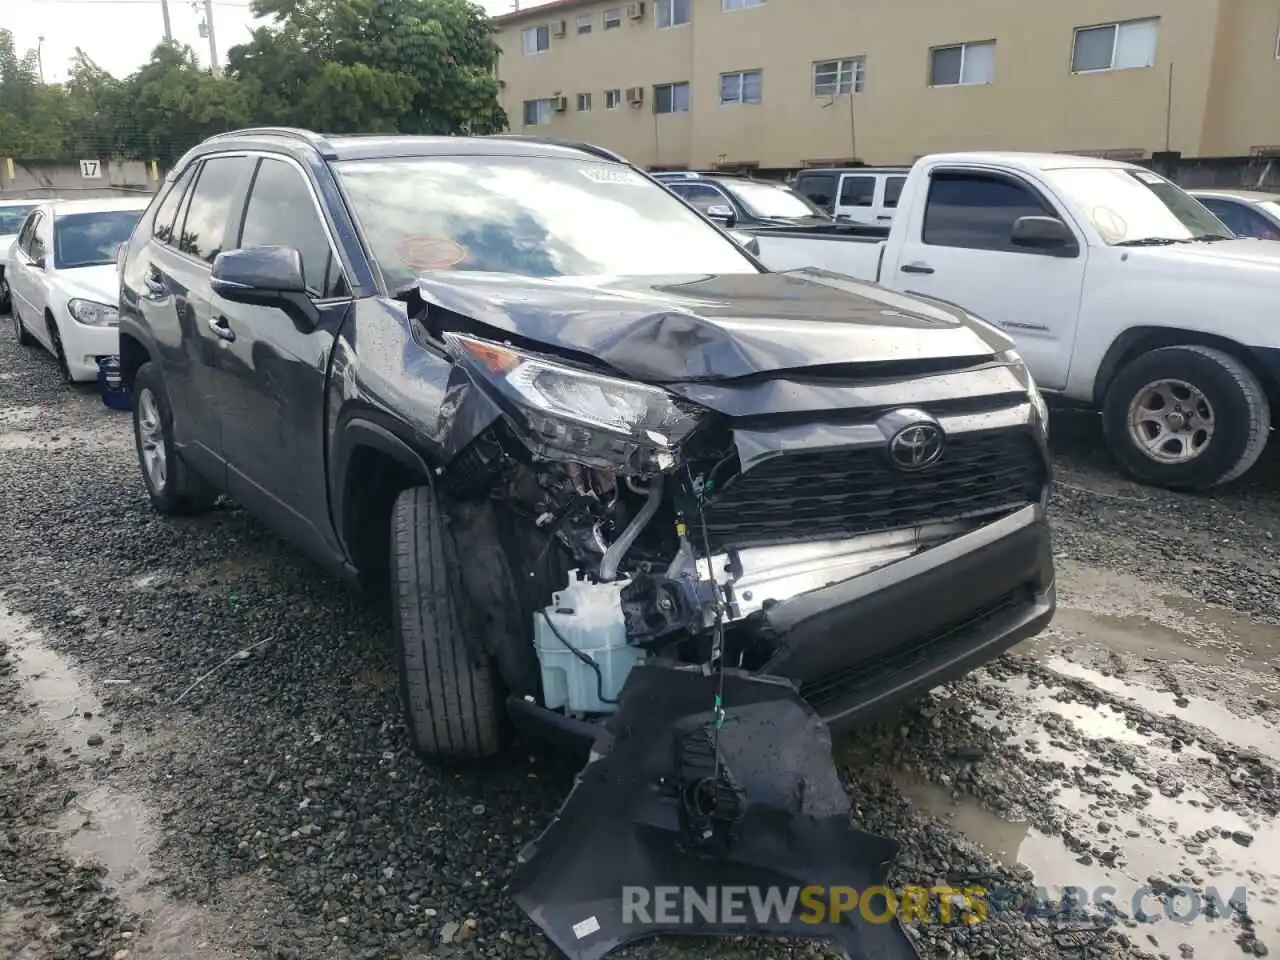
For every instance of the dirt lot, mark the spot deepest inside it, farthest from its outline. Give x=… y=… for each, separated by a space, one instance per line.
x=275 y=809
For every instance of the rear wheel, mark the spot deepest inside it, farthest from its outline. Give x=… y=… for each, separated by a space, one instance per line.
x=447 y=684
x=1187 y=417
x=174 y=490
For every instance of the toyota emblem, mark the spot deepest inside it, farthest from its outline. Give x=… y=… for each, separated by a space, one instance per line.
x=916 y=446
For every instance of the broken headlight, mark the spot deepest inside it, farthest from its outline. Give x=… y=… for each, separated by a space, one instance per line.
x=566 y=413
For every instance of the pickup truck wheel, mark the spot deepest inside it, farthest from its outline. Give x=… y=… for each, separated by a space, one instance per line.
x=174 y=490
x=450 y=700
x=1186 y=417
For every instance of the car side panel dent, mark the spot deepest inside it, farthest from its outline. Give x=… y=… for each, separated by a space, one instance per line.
x=391 y=388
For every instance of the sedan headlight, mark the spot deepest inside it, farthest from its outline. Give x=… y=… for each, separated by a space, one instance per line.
x=1013 y=358
x=93 y=314
x=566 y=413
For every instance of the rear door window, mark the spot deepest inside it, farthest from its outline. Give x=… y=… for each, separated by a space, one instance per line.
x=215 y=206
x=820 y=188
x=893 y=191
x=167 y=212
x=977 y=211
x=858 y=192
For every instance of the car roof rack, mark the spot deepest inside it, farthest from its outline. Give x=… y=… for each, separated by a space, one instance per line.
x=590 y=148
x=296 y=133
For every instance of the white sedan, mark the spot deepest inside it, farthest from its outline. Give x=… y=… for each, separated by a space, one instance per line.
x=63 y=283
x=13 y=214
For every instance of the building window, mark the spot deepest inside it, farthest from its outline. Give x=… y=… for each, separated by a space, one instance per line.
x=962 y=64
x=613 y=18
x=741 y=87
x=537 y=113
x=671 y=98
x=671 y=13
x=834 y=77
x=1115 y=46
x=584 y=102
x=584 y=23
x=740 y=4
x=537 y=39
x=612 y=99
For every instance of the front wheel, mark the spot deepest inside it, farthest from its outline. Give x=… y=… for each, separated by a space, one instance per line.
x=450 y=700
x=173 y=489
x=1186 y=418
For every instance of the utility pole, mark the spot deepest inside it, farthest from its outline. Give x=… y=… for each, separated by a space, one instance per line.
x=214 y=65
x=168 y=28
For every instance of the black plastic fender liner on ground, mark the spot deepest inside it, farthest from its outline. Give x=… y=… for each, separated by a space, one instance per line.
x=599 y=875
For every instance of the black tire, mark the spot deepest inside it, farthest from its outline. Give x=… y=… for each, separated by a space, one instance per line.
x=449 y=696
x=181 y=492
x=6 y=300
x=1241 y=416
x=58 y=353
x=20 y=333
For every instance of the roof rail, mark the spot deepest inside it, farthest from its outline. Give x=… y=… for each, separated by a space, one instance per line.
x=297 y=133
x=590 y=148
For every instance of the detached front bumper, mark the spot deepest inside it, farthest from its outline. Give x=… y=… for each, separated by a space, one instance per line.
x=868 y=643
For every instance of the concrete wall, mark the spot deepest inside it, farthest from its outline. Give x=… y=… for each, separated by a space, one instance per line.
x=37 y=179
x=1210 y=91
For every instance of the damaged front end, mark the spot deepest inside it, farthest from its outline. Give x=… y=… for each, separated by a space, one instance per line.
x=660 y=544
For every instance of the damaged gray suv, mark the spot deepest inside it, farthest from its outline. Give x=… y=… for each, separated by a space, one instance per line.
x=596 y=450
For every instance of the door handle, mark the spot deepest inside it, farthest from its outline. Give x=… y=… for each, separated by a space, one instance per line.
x=883 y=217
x=221 y=329
x=916 y=268
x=154 y=282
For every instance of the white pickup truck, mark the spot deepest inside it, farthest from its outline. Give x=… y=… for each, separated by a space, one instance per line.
x=1122 y=292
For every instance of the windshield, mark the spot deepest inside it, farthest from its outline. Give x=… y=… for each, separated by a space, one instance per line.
x=532 y=216
x=773 y=200
x=1135 y=205
x=90 y=239
x=11 y=218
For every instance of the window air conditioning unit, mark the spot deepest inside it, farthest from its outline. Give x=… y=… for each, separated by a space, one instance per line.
x=560 y=104
x=635 y=11
x=635 y=96
x=558 y=28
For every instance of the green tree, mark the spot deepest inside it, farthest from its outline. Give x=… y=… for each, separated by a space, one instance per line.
x=416 y=66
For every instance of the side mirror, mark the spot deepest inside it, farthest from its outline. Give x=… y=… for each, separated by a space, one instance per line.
x=1044 y=233
x=258 y=275
x=264 y=277
x=722 y=213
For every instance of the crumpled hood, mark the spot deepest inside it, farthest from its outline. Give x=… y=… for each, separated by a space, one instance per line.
x=98 y=283
x=704 y=327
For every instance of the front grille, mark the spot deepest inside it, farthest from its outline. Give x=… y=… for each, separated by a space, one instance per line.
x=840 y=494
x=845 y=681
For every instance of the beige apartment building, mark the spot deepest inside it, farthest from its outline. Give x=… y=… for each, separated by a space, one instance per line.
x=789 y=83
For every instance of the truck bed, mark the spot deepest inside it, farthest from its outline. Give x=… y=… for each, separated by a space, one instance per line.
x=850 y=249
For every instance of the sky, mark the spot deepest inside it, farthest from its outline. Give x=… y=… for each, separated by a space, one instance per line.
x=119 y=35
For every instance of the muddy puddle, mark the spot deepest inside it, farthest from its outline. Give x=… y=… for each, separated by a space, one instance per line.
x=104 y=822
x=1130 y=809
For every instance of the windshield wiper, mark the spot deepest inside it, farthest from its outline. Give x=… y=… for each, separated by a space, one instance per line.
x=1150 y=242
x=1212 y=238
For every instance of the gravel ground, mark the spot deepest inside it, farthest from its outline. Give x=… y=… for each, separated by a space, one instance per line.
x=275 y=809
